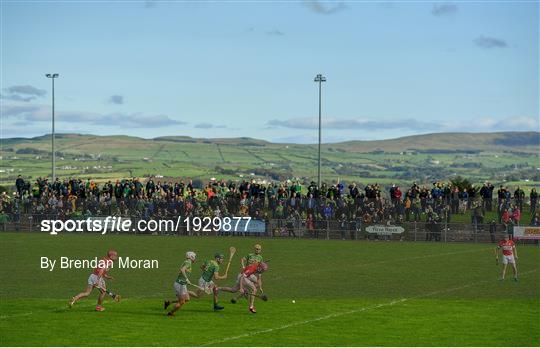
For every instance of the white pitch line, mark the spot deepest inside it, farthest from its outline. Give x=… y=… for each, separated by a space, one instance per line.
x=15 y=315
x=57 y=309
x=334 y=315
x=328 y=316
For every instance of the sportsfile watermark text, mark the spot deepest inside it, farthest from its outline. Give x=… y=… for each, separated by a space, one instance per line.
x=119 y=224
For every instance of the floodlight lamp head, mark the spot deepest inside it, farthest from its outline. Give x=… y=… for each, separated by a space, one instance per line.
x=320 y=78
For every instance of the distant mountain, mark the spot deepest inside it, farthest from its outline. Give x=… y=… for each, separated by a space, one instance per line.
x=510 y=156
x=528 y=142
x=501 y=141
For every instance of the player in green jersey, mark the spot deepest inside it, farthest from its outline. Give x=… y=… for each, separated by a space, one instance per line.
x=246 y=261
x=210 y=273
x=180 y=284
x=252 y=257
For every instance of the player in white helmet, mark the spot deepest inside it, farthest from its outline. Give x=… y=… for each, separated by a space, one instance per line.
x=181 y=283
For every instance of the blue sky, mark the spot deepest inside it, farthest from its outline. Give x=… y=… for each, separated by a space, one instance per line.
x=228 y=69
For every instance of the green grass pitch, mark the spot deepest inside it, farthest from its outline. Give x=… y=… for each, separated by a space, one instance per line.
x=347 y=293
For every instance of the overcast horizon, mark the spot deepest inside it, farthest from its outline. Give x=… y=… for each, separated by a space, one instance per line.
x=237 y=69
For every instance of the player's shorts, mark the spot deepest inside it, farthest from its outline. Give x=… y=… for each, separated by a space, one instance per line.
x=249 y=281
x=180 y=289
x=96 y=280
x=508 y=259
x=252 y=277
x=205 y=285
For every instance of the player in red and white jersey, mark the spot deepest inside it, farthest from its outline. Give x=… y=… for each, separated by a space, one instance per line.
x=248 y=283
x=97 y=279
x=509 y=252
x=248 y=280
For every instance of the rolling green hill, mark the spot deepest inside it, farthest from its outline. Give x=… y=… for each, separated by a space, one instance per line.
x=458 y=142
x=511 y=156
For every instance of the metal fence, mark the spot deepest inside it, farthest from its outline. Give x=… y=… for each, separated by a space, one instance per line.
x=410 y=231
x=322 y=229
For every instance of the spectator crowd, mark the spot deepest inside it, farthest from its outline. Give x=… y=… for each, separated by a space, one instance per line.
x=288 y=201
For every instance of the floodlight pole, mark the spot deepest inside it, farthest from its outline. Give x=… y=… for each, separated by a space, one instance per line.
x=320 y=79
x=52 y=77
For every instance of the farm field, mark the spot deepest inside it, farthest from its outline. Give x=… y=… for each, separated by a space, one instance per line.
x=350 y=293
x=424 y=158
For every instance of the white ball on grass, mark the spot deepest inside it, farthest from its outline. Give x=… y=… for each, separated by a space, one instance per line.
x=293 y=301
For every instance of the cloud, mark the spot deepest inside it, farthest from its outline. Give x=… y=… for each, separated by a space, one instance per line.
x=116 y=99
x=335 y=123
x=16 y=97
x=481 y=124
x=27 y=89
x=209 y=126
x=139 y=121
x=444 y=10
x=324 y=9
x=123 y=120
x=487 y=42
x=24 y=130
x=16 y=110
x=24 y=93
x=275 y=32
x=150 y=3
x=516 y=123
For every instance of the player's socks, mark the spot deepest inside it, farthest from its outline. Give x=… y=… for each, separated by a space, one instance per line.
x=166 y=304
x=100 y=308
